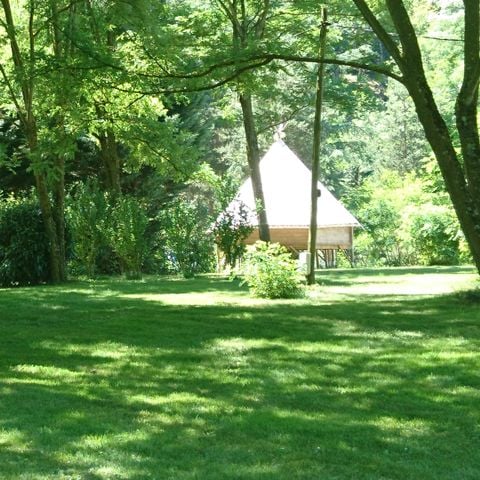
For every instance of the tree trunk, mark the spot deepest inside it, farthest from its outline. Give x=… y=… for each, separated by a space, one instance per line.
x=55 y=258
x=244 y=31
x=317 y=134
x=59 y=215
x=111 y=161
x=253 y=155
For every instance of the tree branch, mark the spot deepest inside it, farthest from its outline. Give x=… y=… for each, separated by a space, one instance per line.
x=268 y=57
x=13 y=96
x=228 y=10
x=161 y=155
x=412 y=56
x=202 y=88
x=379 y=30
x=46 y=23
x=262 y=19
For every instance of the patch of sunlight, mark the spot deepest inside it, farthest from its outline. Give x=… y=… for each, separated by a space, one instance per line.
x=291 y=413
x=94 y=442
x=449 y=354
x=290 y=376
x=113 y=351
x=102 y=469
x=328 y=348
x=424 y=284
x=394 y=427
x=14 y=441
x=377 y=379
x=209 y=299
x=108 y=350
x=47 y=371
x=90 y=292
x=109 y=471
x=258 y=470
x=239 y=345
x=175 y=397
x=147 y=418
x=51 y=306
x=466 y=390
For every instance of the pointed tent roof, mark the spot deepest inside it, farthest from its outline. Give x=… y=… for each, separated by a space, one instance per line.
x=286 y=185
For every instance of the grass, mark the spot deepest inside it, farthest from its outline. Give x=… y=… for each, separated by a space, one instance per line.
x=374 y=376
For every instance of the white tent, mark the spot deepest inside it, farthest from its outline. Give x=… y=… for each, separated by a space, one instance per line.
x=286 y=185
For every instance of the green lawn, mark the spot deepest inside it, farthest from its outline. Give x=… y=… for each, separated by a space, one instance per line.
x=376 y=375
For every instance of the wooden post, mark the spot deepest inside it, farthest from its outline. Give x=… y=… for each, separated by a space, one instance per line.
x=317 y=130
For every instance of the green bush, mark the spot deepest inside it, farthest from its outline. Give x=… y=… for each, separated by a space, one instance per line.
x=125 y=229
x=24 y=252
x=86 y=213
x=186 y=244
x=436 y=235
x=271 y=272
x=382 y=242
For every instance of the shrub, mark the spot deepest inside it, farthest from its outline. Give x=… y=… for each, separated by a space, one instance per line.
x=125 y=230
x=436 y=235
x=271 y=272
x=383 y=241
x=232 y=227
x=24 y=252
x=187 y=247
x=87 y=210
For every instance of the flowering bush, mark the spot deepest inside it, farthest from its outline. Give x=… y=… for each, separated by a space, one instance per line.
x=232 y=227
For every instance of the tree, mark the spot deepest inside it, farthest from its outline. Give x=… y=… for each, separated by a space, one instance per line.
x=248 y=28
x=460 y=169
x=27 y=92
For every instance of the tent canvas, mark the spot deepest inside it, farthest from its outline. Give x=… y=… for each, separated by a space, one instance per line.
x=286 y=186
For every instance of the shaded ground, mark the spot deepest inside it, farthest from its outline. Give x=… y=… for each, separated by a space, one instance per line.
x=177 y=379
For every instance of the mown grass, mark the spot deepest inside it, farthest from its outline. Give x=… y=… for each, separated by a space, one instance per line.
x=376 y=375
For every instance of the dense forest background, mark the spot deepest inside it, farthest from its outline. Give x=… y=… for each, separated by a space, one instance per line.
x=127 y=127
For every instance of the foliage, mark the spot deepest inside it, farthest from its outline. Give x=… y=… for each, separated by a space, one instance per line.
x=271 y=272
x=382 y=203
x=23 y=243
x=406 y=223
x=436 y=235
x=125 y=230
x=381 y=220
x=87 y=213
x=186 y=243
x=232 y=227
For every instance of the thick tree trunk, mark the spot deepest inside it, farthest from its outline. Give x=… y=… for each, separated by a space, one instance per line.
x=253 y=155
x=56 y=247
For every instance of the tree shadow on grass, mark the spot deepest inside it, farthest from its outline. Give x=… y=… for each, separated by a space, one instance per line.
x=107 y=386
